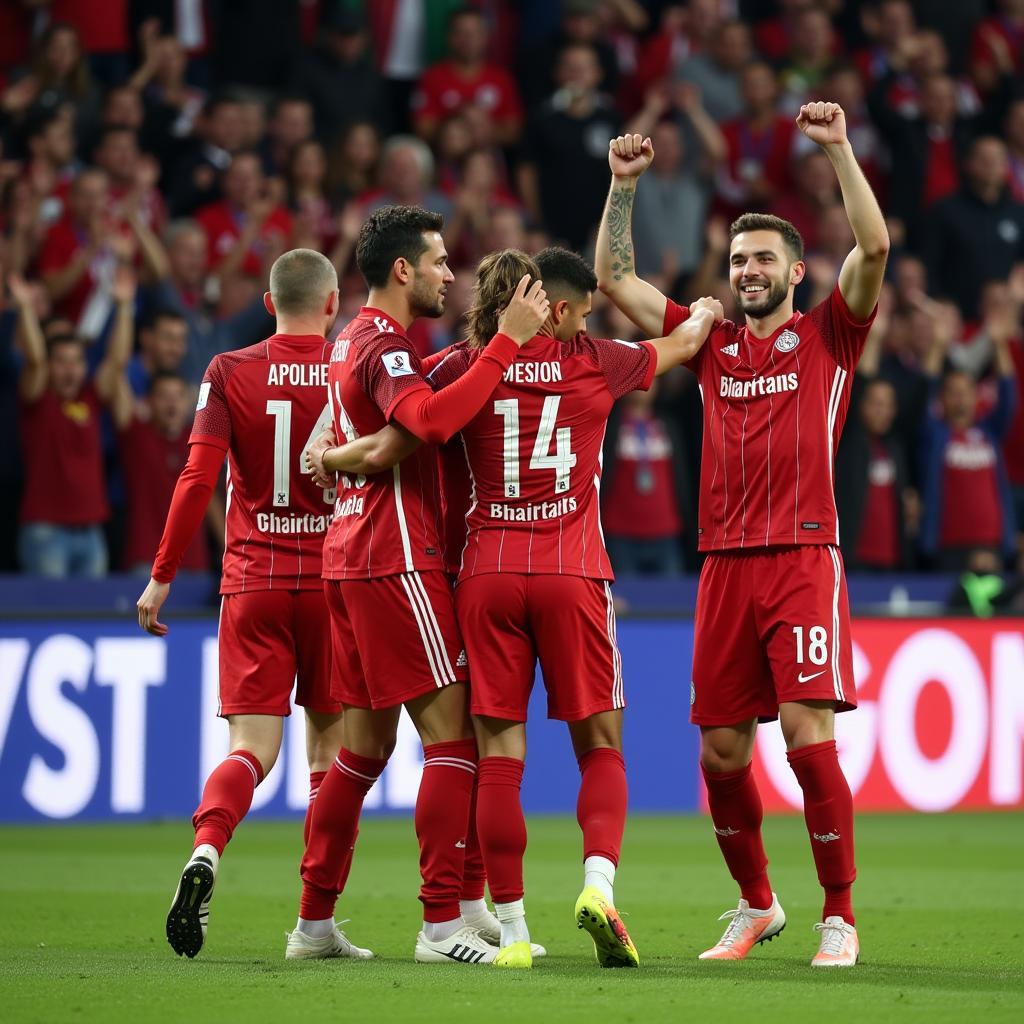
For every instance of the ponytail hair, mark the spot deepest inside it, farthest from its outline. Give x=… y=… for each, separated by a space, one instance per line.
x=497 y=277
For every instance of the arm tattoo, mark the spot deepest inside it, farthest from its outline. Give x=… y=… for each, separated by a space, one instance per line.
x=620 y=238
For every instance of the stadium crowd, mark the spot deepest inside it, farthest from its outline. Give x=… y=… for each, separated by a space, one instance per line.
x=157 y=157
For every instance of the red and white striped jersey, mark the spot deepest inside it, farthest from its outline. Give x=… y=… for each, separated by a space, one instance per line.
x=774 y=410
x=264 y=405
x=388 y=522
x=534 y=454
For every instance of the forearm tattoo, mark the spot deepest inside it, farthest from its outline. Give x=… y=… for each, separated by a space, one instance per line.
x=620 y=237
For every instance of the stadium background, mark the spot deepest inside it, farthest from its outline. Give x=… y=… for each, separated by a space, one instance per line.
x=306 y=114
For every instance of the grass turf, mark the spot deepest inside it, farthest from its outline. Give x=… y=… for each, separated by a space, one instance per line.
x=940 y=901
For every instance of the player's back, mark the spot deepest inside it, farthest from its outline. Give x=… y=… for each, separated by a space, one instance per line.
x=265 y=404
x=534 y=456
x=388 y=522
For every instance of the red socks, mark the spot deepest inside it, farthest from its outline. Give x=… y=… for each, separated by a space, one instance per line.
x=603 y=799
x=828 y=811
x=315 y=778
x=332 y=834
x=442 y=825
x=474 y=877
x=736 y=812
x=502 y=827
x=227 y=797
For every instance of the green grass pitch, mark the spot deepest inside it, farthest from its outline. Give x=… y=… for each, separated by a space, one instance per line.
x=940 y=899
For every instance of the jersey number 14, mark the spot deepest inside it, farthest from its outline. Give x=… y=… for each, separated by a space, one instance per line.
x=561 y=461
x=281 y=410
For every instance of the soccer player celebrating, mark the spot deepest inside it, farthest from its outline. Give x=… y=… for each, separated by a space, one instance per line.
x=262 y=406
x=772 y=621
x=534 y=579
x=394 y=635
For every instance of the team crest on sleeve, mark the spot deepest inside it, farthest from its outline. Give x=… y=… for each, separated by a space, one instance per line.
x=204 y=395
x=398 y=364
x=787 y=341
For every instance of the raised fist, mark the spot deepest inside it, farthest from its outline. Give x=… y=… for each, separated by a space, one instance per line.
x=823 y=123
x=630 y=155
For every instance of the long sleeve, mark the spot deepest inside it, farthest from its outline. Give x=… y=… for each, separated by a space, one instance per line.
x=434 y=417
x=188 y=507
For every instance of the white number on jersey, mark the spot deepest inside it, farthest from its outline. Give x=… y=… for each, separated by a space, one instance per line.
x=347 y=428
x=281 y=410
x=561 y=461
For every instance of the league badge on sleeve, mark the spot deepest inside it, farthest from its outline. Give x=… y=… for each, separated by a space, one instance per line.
x=787 y=341
x=397 y=364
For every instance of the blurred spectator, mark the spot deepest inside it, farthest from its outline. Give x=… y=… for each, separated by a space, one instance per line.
x=80 y=251
x=466 y=83
x=313 y=212
x=102 y=28
x=716 y=72
x=163 y=342
x=185 y=288
x=996 y=47
x=51 y=164
x=59 y=74
x=291 y=124
x=928 y=146
x=581 y=24
x=809 y=55
x=247 y=229
x=759 y=145
x=889 y=26
x=353 y=162
x=406 y=177
x=777 y=36
x=640 y=484
x=220 y=133
x=963 y=457
x=479 y=195
x=339 y=76
x=814 y=191
x=153 y=450
x=878 y=509
x=563 y=176
x=670 y=211
x=131 y=177
x=976 y=235
x=64 y=502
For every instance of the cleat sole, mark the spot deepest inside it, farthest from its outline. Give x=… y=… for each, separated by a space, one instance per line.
x=186 y=917
x=612 y=943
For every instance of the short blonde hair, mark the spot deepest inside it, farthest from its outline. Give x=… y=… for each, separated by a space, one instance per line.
x=301 y=280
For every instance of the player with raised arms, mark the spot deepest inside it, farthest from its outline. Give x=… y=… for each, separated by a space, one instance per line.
x=772 y=621
x=392 y=616
x=261 y=406
x=534 y=577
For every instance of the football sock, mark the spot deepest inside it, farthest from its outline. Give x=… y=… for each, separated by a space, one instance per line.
x=502 y=827
x=333 y=830
x=474 y=877
x=601 y=807
x=600 y=873
x=438 y=931
x=442 y=825
x=315 y=778
x=227 y=797
x=316 y=929
x=828 y=811
x=736 y=813
x=512 y=916
x=473 y=910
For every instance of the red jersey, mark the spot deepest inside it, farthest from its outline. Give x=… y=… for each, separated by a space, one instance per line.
x=150 y=465
x=62 y=451
x=444 y=90
x=534 y=454
x=969 y=468
x=774 y=410
x=389 y=522
x=879 y=541
x=264 y=405
x=223 y=227
x=641 y=502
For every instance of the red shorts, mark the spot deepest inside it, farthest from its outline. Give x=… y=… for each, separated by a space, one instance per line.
x=394 y=638
x=772 y=626
x=269 y=641
x=510 y=620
